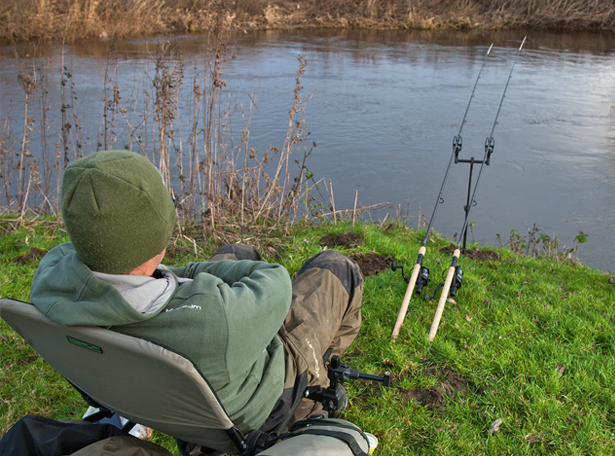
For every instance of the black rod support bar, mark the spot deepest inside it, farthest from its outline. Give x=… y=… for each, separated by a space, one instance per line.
x=464 y=160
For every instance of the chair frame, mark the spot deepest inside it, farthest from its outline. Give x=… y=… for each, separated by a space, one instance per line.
x=140 y=380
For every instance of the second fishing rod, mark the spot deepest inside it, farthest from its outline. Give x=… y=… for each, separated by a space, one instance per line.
x=420 y=274
x=454 y=274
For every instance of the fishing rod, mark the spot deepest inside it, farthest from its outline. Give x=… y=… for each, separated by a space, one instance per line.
x=455 y=274
x=420 y=274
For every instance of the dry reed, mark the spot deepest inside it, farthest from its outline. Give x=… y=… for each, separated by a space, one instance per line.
x=71 y=20
x=215 y=179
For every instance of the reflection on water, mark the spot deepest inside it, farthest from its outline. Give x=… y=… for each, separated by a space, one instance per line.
x=386 y=106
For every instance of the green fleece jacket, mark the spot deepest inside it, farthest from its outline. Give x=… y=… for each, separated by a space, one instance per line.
x=225 y=320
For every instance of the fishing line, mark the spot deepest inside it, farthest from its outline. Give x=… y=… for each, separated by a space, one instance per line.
x=454 y=277
x=420 y=274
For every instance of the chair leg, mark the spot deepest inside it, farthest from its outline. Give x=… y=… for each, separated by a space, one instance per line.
x=95 y=414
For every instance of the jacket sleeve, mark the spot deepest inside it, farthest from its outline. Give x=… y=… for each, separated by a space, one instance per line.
x=230 y=271
x=255 y=297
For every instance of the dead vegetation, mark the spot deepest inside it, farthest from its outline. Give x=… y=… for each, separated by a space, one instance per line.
x=70 y=20
x=207 y=161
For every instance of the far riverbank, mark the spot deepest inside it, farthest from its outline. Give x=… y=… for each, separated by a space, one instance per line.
x=72 y=20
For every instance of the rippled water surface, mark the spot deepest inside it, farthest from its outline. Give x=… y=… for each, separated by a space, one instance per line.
x=385 y=107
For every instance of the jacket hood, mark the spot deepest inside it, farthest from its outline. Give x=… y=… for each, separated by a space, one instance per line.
x=65 y=290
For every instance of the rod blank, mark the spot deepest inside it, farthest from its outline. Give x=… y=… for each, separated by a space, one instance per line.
x=489 y=145
x=457 y=142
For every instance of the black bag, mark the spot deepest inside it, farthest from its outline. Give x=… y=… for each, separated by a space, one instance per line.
x=37 y=436
x=319 y=436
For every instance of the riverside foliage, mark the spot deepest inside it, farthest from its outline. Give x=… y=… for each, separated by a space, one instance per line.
x=215 y=177
x=179 y=120
x=70 y=20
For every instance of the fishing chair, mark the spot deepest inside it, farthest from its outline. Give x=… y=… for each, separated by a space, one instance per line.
x=136 y=379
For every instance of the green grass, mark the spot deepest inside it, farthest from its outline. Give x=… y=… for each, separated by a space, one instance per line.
x=527 y=340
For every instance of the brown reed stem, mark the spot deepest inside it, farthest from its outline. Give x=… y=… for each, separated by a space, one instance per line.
x=221 y=181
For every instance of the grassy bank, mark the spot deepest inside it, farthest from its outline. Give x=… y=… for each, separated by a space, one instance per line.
x=70 y=20
x=527 y=340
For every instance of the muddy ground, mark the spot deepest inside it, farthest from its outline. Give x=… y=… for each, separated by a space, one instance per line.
x=371 y=263
x=35 y=254
x=449 y=384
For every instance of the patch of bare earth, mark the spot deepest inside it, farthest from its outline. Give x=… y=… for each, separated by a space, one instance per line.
x=370 y=263
x=346 y=240
x=449 y=384
x=34 y=254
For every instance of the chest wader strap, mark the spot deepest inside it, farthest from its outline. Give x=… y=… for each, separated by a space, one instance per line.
x=350 y=440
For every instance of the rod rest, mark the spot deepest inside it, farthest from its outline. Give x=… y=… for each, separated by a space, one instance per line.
x=333 y=398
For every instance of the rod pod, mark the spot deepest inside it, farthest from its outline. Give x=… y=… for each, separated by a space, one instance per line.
x=489 y=147
x=457 y=144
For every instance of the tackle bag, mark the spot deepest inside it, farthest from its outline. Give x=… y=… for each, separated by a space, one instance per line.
x=319 y=436
x=37 y=436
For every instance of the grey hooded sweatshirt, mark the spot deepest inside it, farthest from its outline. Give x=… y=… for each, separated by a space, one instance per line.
x=225 y=320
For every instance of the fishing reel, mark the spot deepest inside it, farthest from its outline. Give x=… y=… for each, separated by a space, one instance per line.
x=457 y=281
x=455 y=284
x=457 y=145
x=489 y=146
x=422 y=279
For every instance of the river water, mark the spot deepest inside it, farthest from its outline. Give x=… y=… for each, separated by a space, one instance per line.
x=385 y=107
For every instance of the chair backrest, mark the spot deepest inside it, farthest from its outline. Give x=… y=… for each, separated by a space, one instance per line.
x=137 y=379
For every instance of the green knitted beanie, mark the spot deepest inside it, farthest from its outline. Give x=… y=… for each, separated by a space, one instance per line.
x=117 y=210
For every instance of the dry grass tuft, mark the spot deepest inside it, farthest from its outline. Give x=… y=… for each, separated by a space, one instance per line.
x=70 y=20
x=216 y=179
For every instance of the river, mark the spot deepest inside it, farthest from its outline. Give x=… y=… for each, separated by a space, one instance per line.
x=385 y=107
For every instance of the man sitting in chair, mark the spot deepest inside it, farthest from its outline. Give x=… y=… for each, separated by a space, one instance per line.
x=258 y=338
